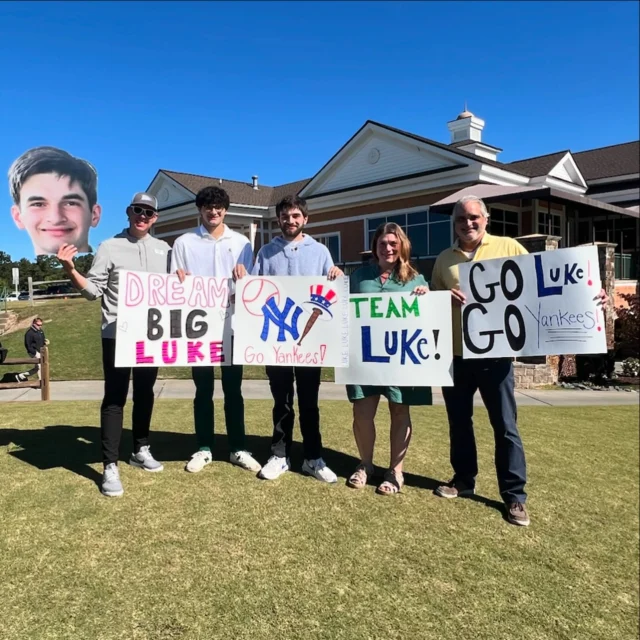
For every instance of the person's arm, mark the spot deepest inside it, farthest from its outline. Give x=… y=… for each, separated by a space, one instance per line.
x=92 y=285
x=30 y=343
x=245 y=262
x=258 y=267
x=420 y=285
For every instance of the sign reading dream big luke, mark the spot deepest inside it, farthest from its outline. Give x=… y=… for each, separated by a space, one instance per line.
x=165 y=323
x=399 y=339
x=537 y=304
x=300 y=321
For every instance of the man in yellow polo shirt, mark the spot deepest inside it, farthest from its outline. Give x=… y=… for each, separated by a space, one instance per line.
x=493 y=377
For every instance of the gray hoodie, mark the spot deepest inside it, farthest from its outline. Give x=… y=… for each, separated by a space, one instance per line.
x=306 y=257
x=122 y=252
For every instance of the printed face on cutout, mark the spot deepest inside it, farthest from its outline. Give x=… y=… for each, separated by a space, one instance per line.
x=292 y=223
x=470 y=225
x=55 y=210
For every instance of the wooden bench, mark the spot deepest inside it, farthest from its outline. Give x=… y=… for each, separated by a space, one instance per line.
x=43 y=384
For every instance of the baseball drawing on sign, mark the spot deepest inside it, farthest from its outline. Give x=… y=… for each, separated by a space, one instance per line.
x=285 y=320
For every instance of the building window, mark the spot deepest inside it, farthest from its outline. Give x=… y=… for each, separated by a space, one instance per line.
x=430 y=233
x=550 y=223
x=332 y=242
x=504 y=223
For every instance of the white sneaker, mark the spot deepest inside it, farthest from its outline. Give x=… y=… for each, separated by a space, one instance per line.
x=274 y=468
x=144 y=460
x=319 y=470
x=199 y=460
x=245 y=460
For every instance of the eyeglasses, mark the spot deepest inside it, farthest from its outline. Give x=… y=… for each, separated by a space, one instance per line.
x=141 y=211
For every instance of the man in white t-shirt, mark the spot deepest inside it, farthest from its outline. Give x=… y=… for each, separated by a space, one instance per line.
x=215 y=250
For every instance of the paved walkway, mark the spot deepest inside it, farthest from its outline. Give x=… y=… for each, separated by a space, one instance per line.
x=259 y=390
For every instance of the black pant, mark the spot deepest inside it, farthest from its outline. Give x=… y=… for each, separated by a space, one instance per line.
x=308 y=387
x=494 y=379
x=116 y=387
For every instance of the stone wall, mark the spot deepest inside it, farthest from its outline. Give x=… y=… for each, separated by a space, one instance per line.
x=530 y=376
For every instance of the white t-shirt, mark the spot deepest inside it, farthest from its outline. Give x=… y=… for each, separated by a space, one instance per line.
x=199 y=253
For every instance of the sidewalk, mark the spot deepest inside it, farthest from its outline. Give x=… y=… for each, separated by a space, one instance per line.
x=259 y=390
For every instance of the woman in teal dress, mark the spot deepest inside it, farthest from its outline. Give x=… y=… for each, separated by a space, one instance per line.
x=390 y=271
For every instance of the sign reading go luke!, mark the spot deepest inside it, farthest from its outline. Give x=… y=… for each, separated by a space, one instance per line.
x=165 y=323
x=297 y=321
x=399 y=339
x=538 y=304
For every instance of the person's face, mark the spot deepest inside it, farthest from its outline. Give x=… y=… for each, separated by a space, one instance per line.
x=388 y=249
x=470 y=225
x=38 y=324
x=292 y=223
x=55 y=211
x=141 y=219
x=212 y=217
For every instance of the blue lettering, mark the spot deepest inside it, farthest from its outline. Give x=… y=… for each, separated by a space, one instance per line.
x=544 y=291
x=406 y=347
x=366 y=348
x=273 y=315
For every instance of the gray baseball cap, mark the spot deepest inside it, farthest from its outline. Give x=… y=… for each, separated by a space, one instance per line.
x=144 y=199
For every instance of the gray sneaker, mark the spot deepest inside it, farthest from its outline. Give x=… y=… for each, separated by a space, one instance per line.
x=111 y=485
x=145 y=460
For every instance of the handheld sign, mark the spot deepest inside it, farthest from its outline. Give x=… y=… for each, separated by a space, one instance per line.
x=163 y=323
x=538 y=304
x=300 y=321
x=399 y=339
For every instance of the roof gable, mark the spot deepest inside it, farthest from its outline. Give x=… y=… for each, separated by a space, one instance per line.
x=377 y=153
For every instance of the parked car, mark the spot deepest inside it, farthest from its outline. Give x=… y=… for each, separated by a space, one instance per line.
x=23 y=296
x=12 y=297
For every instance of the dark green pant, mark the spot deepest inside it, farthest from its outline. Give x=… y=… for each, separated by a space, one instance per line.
x=233 y=406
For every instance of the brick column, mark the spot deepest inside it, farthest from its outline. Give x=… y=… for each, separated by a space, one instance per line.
x=537 y=242
x=606 y=261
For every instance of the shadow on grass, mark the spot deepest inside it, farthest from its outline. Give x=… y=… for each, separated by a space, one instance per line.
x=76 y=448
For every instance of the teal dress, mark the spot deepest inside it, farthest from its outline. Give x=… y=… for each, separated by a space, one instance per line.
x=367 y=280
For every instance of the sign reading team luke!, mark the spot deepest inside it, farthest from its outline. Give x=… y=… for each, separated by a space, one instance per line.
x=537 y=304
x=297 y=321
x=399 y=339
x=165 y=323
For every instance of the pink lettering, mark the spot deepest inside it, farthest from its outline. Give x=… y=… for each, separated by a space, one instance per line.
x=175 y=291
x=215 y=352
x=169 y=358
x=133 y=290
x=193 y=352
x=218 y=289
x=198 y=297
x=141 y=358
x=156 y=285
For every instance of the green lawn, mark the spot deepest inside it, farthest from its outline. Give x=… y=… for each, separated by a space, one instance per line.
x=73 y=328
x=222 y=555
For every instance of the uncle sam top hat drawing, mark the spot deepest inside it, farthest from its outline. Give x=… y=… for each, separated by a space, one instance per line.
x=321 y=299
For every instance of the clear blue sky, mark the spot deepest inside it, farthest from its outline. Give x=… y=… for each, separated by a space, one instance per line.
x=275 y=88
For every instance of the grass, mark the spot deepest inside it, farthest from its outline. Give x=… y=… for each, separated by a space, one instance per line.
x=222 y=555
x=73 y=328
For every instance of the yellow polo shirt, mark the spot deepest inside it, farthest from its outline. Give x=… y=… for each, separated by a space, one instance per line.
x=445 y=274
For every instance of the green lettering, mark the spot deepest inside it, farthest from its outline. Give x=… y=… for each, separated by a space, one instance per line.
x=392 y=309
x=374 y=308
x=410 y=308
x=358 y=301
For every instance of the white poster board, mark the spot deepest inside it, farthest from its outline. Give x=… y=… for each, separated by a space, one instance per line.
x=163 y=323
x=537 y=304
x=399 y=339
x=300 y=321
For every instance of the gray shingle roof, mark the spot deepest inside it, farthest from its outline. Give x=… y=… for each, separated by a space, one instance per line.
x=606 y=162
x=239 y=192
x=538 y=166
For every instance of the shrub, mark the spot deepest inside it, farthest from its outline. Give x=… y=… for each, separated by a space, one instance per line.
x=631 y=367
x=628 y=327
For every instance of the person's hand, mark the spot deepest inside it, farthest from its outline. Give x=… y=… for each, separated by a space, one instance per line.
x=66 y=254
x=46 y=342
x=420 y=290
x=239 y=271
x=334 y=273
x=458 y=297
x=602 y=298
x=181 y=273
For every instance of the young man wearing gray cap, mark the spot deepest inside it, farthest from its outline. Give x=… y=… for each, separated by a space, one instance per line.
x=136 y=250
